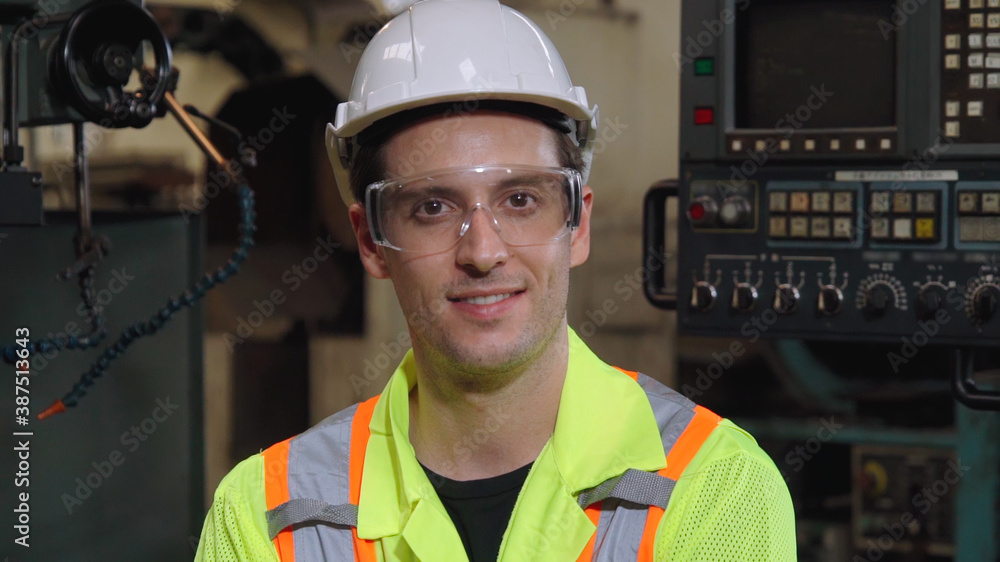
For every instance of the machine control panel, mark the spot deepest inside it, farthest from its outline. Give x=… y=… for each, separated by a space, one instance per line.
x=841 y=254
x=904 y=493
x=970 y=70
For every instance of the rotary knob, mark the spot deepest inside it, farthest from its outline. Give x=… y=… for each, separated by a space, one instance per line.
x=985 y=301
x=786 y=298
x=880 y=298
x=744 y=297
x=703 y=296
x=734 y=211
x=830 y=300
x=930 y=299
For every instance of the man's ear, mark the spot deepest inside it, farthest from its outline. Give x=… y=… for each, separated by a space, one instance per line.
x=371 y=253
x=580 y=247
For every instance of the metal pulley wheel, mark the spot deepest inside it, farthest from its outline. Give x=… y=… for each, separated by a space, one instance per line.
x=94 y=57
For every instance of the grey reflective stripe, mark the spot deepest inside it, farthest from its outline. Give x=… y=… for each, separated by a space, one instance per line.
x=301 y=510
x=319 y=470
x=619 y=531
x=636 y=486
x=621 y=524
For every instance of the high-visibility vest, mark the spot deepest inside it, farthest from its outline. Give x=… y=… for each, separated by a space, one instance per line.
x=313 y=485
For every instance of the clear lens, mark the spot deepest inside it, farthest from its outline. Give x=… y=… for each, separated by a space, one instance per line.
x=527 y=205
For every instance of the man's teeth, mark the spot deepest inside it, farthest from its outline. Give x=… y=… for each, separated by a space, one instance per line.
x=487 y=300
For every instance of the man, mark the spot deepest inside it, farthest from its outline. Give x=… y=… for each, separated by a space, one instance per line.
x=463 y=154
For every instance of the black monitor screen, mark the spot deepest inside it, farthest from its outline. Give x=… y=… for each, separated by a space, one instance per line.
x=787 y=51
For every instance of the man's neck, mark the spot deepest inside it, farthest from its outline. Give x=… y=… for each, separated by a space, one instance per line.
x=469 y=435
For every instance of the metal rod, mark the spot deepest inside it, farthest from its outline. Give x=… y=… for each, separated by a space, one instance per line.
x=82 y=189
x=10 y=87
x=184 y=118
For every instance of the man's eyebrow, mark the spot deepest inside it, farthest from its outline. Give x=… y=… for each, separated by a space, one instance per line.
x=525 y=179
x=435 y=189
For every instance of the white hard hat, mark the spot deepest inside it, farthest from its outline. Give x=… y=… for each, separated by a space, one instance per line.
x=455 y=51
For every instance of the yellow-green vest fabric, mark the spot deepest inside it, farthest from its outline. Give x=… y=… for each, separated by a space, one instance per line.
x=730 y=504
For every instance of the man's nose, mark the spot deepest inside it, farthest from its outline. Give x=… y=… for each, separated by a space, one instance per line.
x=481 y=247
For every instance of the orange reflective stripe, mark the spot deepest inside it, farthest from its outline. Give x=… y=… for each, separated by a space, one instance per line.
x=593 y=512
x=364 y=550
x=633 y=374
x=649 y=532
x=689 y=442
x=686 y=447
x=276 y=490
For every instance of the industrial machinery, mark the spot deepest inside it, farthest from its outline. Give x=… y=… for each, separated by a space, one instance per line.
x=840 y=183
x=77 y=67
x=85 y=490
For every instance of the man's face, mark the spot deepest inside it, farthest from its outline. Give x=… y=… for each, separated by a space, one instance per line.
x=435 y=291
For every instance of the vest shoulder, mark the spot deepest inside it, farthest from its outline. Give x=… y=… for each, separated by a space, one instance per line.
x=661 y=395
x=247 y=478
x=726 y=438
x=330 y=437
x=729 y=439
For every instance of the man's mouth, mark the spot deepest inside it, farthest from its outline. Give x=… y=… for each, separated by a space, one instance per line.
x=485 y=299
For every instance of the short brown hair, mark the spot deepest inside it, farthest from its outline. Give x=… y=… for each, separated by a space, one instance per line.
x=369 y=163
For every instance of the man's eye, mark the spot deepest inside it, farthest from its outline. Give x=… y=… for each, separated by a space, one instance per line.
x=520 y=199
x=431 y=208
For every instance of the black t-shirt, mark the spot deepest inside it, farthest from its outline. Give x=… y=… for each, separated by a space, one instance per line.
x=480 y=509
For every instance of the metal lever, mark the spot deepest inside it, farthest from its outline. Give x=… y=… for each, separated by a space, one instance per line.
x=963 y=383
x=654 y=242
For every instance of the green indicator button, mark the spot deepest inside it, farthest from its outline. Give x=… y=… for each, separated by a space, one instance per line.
x=704 y=66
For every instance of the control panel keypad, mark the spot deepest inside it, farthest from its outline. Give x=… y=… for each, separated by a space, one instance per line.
x=970 y=63
x=908 y=217
x=979 y=216
x=821 y=215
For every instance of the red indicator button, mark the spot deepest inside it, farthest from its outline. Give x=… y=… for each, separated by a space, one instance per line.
x=704 y=116
x=702 y=211
x=697 y=211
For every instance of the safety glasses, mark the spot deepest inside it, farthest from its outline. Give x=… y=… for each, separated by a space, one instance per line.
x=430 y=213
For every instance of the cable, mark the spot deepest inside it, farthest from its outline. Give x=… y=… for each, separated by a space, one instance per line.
x=97 y=329
x=185 y=299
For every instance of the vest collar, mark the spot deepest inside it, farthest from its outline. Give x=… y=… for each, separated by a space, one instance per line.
x=604 y=426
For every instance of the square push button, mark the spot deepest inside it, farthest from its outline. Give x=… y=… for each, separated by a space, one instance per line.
x=902 y=229
x=820 y=227
x=968 y=201
x=704 y=66
x=777 y=201
x=926 y=202
x=880 y=201
x=970 y=229
x=842 y=227
x=778 y=227
x=991 y=229
x=880 y=228
x=704 y=116
x=925 y=229
x=843 y=202
x=902 y=202
x=799 y=227
x=800 y=202
x=821 y=201
x=991 y=202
